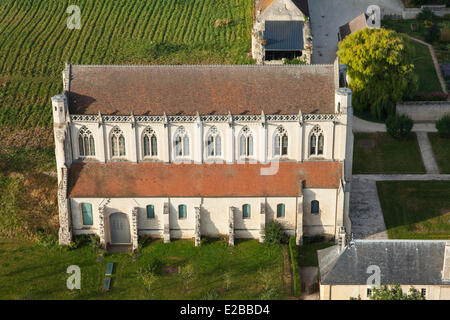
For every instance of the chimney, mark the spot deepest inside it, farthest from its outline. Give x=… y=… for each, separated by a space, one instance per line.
x=446 y=266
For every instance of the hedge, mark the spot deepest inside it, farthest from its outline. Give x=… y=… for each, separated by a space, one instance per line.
x=295 y=268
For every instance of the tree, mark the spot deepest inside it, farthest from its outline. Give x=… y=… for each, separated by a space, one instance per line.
x=395 y=293
x=274 y=233
x=433 y=33
x=399 y=126
x=381 y=73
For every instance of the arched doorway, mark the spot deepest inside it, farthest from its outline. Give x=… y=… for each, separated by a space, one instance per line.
x=120 y=228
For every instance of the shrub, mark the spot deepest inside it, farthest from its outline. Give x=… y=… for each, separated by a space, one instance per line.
x=426 y=14
x=295 y=267
x=443 y=126
x=187 y=275
x=399 y=127
x=47 y=241
x=155 y=266
x=433 y=34
x=148 y=278
x=445 y=35
x=274 y=234
x=94 y=241
x=294 y=61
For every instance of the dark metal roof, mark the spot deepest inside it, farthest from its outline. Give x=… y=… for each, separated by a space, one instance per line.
x=408 y=262
x=284 y=35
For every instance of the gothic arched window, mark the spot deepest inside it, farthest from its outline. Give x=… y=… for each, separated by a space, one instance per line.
x=117 y=142
x=181 y=143
x=150 y=143
x=86 y=143
x=280 y=142
x=316 y=142
x=213 y=143
x=245 y=143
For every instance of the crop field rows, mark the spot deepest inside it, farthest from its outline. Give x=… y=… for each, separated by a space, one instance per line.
x=35 y=43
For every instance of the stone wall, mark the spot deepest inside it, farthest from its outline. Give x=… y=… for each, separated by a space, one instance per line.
x=424 y=111
x=411 y=13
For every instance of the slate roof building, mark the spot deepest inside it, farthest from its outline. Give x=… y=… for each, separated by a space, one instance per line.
x=359 y=23
x=423 y=264
x=185 y=151
x=281 y=29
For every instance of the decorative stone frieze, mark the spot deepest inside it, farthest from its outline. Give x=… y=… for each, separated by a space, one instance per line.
x=204 y=118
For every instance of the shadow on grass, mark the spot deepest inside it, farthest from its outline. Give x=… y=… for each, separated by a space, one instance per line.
x=414 y=209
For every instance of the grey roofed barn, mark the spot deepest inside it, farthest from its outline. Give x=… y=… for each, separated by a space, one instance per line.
x=405 y=262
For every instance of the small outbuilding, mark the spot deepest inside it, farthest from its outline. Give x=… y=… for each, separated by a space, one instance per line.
x=352 y=270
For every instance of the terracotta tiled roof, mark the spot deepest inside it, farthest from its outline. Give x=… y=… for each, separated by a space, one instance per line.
x=192 y=180
x=359 y=23
x=184 y=90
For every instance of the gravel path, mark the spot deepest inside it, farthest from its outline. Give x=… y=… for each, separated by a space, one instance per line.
x=427 y=153
x=360 y=125
x=328 y=15
x=365 y=210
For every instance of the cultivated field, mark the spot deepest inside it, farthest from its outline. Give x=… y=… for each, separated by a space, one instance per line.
x=35 y=43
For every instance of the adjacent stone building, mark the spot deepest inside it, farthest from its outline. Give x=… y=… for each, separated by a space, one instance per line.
x=359 y=23
x=190 y=151
x=281 y=29
x=423 y=264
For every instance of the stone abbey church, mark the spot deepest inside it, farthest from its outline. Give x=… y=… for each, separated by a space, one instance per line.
x=206 y=150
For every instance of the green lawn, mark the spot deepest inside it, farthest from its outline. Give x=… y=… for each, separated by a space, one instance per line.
x=380 y=153
x=416 y=209
x=424 y=69
x=32 y=272
x=441 y=150
x=35 y=43
x=404 y=26
x=307 y=253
